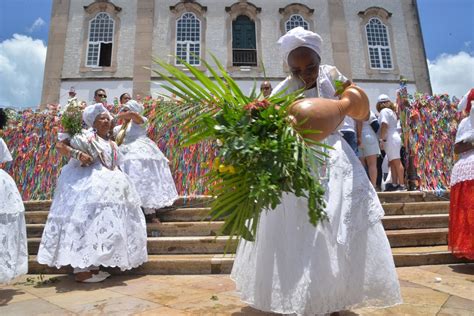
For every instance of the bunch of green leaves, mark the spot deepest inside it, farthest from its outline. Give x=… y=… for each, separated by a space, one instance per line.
x=261 y=155
x=71 y=120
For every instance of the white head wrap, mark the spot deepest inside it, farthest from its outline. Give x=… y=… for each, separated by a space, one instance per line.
x=92 y=111
x=466 y=100
x=134 y=106
x=299 y=37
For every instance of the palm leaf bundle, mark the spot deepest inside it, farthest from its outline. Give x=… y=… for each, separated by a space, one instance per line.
x=261 y=154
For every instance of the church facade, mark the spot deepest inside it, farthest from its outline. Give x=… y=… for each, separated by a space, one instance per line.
x=111 y=44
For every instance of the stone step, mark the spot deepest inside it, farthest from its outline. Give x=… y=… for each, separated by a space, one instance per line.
x=158 y=264
x=175 y=215
x=416 y=208
x=173 y=245
x=413 y=196
x=222 y=264
x=181 y=202
x=206 y=228
x=394 y=222
x=418 y=256
x=221 y=244
x=204 y=200
x=165 y=229
x=191 y=214
x=418 y=237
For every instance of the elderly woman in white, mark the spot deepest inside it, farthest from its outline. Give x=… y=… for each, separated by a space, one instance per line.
x=343 y=263
x=95 y=219
x=144 y=162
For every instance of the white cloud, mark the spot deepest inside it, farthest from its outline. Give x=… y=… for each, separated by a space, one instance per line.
x=39 y=22
x=452 y=74
x=22 y=60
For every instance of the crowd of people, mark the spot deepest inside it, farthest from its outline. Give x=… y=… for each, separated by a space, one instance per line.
x=116 y=177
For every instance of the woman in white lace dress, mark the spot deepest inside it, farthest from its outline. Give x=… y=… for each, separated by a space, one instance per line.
x=144 y=162
x=13 y=242
x=343 y=263
x=95 y=219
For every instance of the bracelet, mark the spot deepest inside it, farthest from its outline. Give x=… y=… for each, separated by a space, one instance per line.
x=76 y=154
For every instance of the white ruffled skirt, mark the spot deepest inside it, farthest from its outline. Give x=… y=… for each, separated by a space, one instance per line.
x=13 y=241
x=149 y=171
x=343 y=263
x=95 y=220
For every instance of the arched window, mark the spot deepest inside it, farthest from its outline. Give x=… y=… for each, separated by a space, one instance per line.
x=100 y=41
x=244 y=42
x=378 y=45
x=296 y=20
x=188 y=39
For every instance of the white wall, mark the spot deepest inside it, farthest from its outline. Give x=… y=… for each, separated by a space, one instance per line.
x=373 y=91
x=85 y=89
x=76 y=35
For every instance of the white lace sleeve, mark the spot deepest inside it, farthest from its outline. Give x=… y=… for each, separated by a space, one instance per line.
x=4 y=152
x=116 y=130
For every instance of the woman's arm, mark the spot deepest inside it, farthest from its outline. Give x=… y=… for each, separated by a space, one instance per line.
x=66 y=150
x=462 y=147
x=383 y=135
x=135 y=117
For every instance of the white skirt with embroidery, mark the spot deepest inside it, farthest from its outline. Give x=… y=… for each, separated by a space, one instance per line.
x=13 y=242
x=95 y=220
x=149 y=171
x=343 y=263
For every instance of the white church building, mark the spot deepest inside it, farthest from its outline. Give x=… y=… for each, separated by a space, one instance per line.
x=111 y=44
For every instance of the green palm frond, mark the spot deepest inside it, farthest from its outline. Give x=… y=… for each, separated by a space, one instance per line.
x=261 y=154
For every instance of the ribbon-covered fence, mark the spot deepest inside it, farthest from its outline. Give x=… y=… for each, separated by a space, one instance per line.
x=36 y=165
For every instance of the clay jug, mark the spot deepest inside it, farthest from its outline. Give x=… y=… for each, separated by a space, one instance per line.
x=325 y=115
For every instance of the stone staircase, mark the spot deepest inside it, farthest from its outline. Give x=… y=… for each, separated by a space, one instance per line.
x=416 y=224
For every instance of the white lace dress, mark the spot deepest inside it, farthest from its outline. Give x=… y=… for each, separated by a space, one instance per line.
x=343 y=263
x=147 y=167
x=463 y=169
x=13 y=242
x=95 y=218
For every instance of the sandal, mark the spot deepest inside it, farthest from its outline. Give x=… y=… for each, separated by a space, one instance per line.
x=95 y=278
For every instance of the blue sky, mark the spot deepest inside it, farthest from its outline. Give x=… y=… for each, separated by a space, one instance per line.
x=447 y=26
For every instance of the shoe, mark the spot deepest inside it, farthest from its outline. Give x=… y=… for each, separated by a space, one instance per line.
x=390 y=187
x=95 y=278
x=401 y=187
x=103 y=273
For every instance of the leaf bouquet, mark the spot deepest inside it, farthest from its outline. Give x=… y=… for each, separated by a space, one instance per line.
x=71 y=120
x=262 y=154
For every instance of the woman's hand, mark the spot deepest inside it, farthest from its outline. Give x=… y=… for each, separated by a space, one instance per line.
x=85 y=159
x=135 y=117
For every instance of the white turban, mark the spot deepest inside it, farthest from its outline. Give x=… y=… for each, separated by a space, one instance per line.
x=92 y=111
x=134 y=106
x=299 y=37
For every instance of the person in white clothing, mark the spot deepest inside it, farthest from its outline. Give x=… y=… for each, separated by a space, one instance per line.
x=368 y=145
x=144 y=162
x=343 y=263
x=390 y=141
x=13 y=241
x=348 y=130
x=95 y=218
